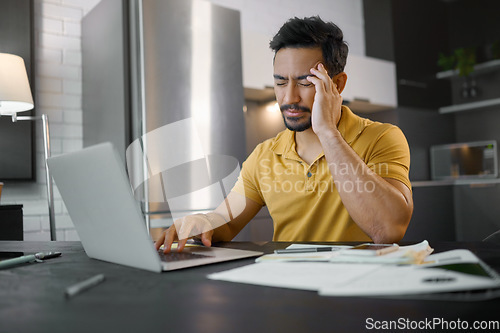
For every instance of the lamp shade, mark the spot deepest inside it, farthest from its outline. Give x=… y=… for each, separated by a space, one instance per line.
x=15 y=93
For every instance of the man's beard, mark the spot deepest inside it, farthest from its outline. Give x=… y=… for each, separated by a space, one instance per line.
x=296 y=124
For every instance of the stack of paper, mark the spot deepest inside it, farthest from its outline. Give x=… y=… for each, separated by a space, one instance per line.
x=412 y=254
x=457 y=270
x=314 y=256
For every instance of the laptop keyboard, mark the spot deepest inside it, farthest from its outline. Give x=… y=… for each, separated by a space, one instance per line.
x=177 y=256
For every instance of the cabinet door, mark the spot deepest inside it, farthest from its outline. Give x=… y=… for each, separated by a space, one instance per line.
x=257 y=61
x=370 y=80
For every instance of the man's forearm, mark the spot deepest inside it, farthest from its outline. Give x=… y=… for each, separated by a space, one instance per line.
x=220 y=226
x=378 y=207
x=233 y=215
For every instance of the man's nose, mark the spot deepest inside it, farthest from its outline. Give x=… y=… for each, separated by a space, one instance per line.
x=292 y=95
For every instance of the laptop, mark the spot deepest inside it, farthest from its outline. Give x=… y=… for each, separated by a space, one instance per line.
x=96 y=191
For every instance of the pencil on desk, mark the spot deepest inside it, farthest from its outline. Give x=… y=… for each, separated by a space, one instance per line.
x=83 y=285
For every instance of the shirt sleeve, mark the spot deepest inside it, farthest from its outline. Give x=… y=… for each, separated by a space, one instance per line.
x=390 y=157
x=248 y=183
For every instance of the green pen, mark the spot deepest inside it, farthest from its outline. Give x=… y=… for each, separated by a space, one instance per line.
x=38 y=257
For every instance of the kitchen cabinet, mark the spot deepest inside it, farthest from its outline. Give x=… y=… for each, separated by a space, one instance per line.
x=371 y=84
x=257 y=61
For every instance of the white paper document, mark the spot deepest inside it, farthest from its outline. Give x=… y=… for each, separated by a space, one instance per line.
x=295 y=275
x=451 y=271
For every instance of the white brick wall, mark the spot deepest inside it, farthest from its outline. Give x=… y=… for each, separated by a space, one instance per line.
x=59 y=86
x=59 y=95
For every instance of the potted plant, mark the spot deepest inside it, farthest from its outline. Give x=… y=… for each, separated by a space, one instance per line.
x=446 y=62
x=465 y=60
x=462 y=59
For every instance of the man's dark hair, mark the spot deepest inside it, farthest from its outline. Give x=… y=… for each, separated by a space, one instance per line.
x=312 y=32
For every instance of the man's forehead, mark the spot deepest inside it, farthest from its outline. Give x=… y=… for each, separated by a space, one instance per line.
x=294 y=77
x=296 y=61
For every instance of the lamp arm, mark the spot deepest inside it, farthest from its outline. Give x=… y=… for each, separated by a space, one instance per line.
x=50 y=191
x=15 y=117
x=46 y=150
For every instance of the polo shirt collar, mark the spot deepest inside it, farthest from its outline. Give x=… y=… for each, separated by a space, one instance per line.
x=285 y=145
x=350 y=125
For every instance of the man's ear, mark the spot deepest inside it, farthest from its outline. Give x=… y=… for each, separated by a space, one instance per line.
x=340 y=80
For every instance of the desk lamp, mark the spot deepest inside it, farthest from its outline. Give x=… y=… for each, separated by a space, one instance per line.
x=15 y=96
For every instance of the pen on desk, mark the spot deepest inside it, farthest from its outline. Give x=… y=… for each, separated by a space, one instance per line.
x=29 y=258
x=83 y=285
x=307 y=250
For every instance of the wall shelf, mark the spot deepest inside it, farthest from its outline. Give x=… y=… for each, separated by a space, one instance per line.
x=455 y=182
x=478 y=69
x=469 y=106
x=483 y=67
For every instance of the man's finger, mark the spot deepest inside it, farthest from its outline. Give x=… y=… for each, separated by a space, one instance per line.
x=181 y=244
x=183 y=234
x=169 y=239
x=322 y=74
x=318 y=83
x=206 y=238
x=335 y=90
x=159 y=241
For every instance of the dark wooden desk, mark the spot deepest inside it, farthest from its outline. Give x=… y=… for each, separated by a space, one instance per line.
x=132 y=300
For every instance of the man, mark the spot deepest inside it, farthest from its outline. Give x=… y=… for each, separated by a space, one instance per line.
x=331 y=175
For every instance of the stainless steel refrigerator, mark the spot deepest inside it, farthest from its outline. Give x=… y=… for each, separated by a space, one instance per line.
x=171 y=67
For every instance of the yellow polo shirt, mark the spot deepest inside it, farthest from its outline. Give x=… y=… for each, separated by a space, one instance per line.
x=302 y=199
